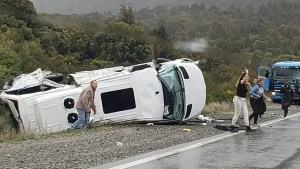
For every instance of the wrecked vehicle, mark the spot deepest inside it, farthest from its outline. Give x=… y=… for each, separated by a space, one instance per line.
x=156 y=91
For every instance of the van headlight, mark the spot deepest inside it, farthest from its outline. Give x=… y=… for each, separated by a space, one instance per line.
x=273 y=93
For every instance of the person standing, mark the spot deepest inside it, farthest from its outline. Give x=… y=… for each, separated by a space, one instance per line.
x=287 y=98
x=267 y=74
x=239 y=101
x=257 y=101
x=84 y=106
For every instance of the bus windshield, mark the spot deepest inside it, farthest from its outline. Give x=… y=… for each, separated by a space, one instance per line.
x=286 y=72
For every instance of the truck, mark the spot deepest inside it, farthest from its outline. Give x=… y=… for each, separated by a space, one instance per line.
x=279 y=74
x=162 y=90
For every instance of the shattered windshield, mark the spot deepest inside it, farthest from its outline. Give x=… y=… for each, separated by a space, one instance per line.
x=172 y=81
x=289 y=72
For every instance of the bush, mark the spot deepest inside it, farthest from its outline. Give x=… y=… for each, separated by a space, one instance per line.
x=6 y=123
x=218 y=107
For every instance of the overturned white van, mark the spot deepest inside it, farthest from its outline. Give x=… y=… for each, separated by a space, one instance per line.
x=161 y=91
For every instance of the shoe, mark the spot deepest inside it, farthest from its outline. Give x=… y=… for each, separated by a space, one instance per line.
x=248 y=129
x=70 y=129
x=285 y=111
x=255 y=125
x=233 y=129
x=236 y=126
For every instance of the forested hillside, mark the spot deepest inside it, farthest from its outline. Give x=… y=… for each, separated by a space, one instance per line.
x=101 y=6
x=236 y=37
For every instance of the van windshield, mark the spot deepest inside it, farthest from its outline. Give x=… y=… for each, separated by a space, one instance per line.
x=174 y=92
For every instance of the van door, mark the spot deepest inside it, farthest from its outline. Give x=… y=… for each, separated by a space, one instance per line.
x=150 y=95
x=117 y=99
x=51 y=115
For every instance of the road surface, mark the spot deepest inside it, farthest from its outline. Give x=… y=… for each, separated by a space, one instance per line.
x=275 y=145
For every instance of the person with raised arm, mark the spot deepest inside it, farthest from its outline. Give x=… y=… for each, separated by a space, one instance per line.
x=239 y=100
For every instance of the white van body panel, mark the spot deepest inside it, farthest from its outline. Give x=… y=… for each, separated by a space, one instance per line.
x=194 y=87
x=50 y=111
x=195 y=90
x=114 y=84
x=145 y=85
x=43 y=112
x=149 y=94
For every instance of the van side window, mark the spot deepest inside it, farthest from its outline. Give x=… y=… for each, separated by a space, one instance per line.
x=184 y=72
x=118 y=100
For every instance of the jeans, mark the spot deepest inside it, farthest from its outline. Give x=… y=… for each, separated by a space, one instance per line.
x=82 y=121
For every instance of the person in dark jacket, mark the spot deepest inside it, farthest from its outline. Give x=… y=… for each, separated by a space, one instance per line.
x=287 y=98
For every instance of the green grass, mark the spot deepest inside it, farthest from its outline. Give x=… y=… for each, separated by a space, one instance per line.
x=10 y=135
x=218 y=107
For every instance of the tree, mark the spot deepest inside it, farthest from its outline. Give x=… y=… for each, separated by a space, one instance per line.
x=126 y=14
x=144 y=13
x=161 y=32
x=21 y=9
x=123 y=29
x=32 y=56
x=10 y=64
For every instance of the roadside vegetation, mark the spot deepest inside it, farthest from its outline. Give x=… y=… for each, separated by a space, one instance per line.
x=8 y=134
x=237 y=37
x=218 y=107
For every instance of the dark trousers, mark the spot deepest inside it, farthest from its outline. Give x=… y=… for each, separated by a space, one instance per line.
x=286 y=109
x=258 y=107
x=255 y=116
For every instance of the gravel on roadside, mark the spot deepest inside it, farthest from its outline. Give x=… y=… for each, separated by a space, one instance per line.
x=104 y=144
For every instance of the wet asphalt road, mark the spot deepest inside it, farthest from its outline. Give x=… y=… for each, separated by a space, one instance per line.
x=275 y=145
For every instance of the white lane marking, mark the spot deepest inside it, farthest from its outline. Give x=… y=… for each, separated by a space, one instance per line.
x=201 y=143
x=141 y=161
x=278 y=120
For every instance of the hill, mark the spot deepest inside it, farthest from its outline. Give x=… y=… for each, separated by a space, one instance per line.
x=101 y=6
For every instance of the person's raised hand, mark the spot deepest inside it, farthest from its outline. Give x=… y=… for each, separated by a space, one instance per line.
x=246 y=70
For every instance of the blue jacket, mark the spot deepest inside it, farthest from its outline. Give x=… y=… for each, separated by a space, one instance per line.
x=256 y=93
